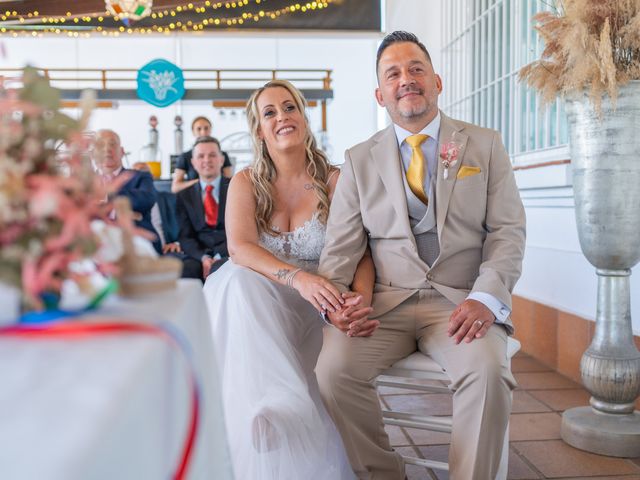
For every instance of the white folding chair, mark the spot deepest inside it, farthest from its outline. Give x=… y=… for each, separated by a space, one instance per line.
x=418 y=366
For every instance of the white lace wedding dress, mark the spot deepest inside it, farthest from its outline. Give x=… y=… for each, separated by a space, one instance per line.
x=267 y=340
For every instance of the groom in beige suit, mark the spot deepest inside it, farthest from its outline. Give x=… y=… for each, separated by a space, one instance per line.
x=446 y=231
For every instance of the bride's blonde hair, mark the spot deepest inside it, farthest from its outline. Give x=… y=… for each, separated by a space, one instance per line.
x=263 y=171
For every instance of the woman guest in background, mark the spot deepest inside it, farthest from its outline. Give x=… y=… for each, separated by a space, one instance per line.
x=184 y=174
x=263 y=303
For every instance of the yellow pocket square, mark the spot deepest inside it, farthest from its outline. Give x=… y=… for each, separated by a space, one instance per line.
x=467 y=172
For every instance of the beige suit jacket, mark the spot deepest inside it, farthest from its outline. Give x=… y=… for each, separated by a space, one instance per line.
x=479 y=214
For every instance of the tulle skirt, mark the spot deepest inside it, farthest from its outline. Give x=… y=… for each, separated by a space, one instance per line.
x=267 y=340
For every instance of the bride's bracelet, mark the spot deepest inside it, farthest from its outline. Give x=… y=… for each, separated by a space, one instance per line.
x=289 y=278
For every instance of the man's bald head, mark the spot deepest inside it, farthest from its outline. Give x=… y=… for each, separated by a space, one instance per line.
x=107 y=151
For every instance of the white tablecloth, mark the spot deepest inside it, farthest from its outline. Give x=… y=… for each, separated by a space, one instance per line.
x=113 y=407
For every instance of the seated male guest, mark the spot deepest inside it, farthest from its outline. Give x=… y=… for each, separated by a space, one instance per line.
x=107 y=156
x=200 y=210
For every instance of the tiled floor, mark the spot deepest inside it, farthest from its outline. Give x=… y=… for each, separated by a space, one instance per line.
x=536 y=450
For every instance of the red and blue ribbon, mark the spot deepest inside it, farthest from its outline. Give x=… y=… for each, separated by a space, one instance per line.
x=105 y=327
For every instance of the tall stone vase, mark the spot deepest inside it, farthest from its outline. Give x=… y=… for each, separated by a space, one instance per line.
x=605 y=156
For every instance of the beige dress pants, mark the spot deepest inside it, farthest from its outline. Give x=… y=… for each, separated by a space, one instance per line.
x=480 y=379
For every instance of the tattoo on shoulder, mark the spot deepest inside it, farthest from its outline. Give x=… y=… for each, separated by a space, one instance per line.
x=280 y=274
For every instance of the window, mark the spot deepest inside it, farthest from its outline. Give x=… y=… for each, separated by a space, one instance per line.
x=485 y=43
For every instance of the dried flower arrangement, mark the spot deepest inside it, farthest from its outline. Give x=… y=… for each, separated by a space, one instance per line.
x=48 y=198
x=590 y=45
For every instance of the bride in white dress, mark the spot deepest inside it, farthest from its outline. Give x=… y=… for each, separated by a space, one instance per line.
x=264 y=302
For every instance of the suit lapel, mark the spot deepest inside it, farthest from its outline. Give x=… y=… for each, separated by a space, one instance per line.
x=125 y=186
x=198 y=206
x=444 y=187
x=386 y=159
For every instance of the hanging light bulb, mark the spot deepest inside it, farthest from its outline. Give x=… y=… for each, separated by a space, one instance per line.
x=129 y=9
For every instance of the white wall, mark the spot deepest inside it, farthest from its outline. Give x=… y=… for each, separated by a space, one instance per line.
x=555 y=271
x=420 y=17
x=352 y=114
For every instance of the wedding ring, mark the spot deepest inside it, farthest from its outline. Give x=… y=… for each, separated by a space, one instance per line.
x=479 y=323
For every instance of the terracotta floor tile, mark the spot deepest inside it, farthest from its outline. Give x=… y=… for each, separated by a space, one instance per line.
x=439 y=453
x=560 y=400
x=426 y=404
x=527 y=364
x=414 y=472
x=543 y=380
x=410 y=451
x=441 y=474
x=519 y=469
x=615 y=477
x=536 y=450
x=554 y=458
x=396 y=436
x=534 y=426
x=427 y=437
x=525 y=403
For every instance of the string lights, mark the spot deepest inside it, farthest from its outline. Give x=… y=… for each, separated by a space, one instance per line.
x=71 y=26
x=129 y=9
x=219 y=14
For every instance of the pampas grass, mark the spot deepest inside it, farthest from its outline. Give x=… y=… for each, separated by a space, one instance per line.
x=590 y=45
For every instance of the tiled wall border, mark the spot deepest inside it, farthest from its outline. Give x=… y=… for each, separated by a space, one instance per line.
x=556 y=338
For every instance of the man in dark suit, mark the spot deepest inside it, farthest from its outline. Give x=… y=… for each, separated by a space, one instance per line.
x=107 y=156
x=200 y=210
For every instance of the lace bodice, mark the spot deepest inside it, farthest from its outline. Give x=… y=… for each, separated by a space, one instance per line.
x=301 y=247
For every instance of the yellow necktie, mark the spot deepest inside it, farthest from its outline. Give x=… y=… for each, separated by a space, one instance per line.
x=415 y=172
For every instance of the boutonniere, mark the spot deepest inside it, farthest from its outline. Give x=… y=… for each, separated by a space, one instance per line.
x=449 y=154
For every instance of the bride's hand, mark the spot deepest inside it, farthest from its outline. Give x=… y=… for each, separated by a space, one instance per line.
x=318 y=291
x=353 y=319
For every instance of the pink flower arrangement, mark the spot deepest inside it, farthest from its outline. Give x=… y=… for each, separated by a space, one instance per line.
x=48 y=192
